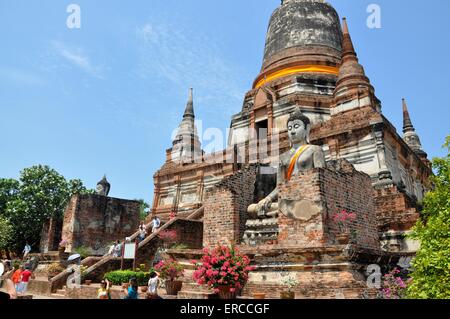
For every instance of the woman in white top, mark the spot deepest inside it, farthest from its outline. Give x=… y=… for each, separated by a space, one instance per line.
x=153 y=284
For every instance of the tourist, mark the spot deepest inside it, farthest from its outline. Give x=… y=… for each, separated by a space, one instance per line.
x=153 y=284
x=132 y=292
x=26 y=250
x=117 y=249
x=156 y=222
x=142 y=232
x=111 y=249
x=104 y=292
x=10 y=289
x=17 y=275
x=25 y=279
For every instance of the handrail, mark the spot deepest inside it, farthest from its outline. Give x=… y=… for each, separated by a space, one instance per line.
x=194 y=216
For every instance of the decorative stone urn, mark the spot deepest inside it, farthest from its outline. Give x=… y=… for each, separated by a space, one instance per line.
x=173 y=287
x=259 y=295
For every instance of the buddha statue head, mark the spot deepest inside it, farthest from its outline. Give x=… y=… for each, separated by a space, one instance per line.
x=299 y=127
x=103 y=187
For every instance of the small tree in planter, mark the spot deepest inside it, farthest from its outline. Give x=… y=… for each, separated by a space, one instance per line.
x=223 y=269
x=343 y=220
x=171 y=270
x=290 y=283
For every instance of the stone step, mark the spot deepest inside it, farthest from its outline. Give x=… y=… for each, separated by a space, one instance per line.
x=186 y=294
x=191 y=286
x=25 y=297
x=61 y=292
x=58 y=296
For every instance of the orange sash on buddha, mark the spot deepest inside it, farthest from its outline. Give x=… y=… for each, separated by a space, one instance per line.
x=294 y=161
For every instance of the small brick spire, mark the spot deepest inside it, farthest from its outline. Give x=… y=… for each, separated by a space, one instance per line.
x=407 y=123
x=189 y=112
x=410 y=136
x=351 y=72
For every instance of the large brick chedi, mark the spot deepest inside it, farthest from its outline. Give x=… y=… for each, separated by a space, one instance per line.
x=95 y=221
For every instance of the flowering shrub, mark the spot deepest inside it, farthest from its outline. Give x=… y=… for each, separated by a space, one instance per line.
x=343 y=218
x=63 y=243
x=222 y=266
x=170 y=269
x=394 y=287
x=169 y=236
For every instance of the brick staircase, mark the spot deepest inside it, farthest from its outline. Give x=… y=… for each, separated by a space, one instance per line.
x=97 y=266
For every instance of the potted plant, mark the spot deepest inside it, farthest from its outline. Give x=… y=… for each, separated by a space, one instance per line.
x=259 y=295
x=171 y=270
x=223 y=269
x=290 y=283
x=344 y=219
x=62 y=246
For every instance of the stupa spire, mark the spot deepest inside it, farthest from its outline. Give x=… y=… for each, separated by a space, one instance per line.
x=351 y=72
x=189 y=112
x=410 y=136
x=407 y=123
x=186 y=145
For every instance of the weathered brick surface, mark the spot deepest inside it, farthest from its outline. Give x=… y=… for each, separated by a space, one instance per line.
x=333 y=189
x=95 y=221
x=226 y=207
x=189 y=233
x=51 y=235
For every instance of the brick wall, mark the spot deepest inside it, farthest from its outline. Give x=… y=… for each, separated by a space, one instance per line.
x=226 y=207
x=331 y=190
x=50 y=235
x=395 y=210
x=95 y=221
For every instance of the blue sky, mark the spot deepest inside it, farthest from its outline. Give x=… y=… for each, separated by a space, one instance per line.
x=104 y=99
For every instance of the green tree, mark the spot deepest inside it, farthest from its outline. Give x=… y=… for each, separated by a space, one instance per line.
x=431 y=266
x=43 y=194
x=144 y=209
x=6 y=232
x=9 y=188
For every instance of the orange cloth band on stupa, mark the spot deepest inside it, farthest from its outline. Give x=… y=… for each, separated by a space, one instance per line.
x=294 y=161
x=298 y=69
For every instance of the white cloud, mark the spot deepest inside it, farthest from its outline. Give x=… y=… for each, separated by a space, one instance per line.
x=17 y=76
x=185 y=59
x=77 y=58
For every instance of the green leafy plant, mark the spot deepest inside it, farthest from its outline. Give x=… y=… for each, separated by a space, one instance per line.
x=290 y=282
x=119 y=277
x=40 y=193
x=6 y=232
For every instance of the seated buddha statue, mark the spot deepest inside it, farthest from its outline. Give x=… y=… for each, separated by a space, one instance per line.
x=301 y=157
